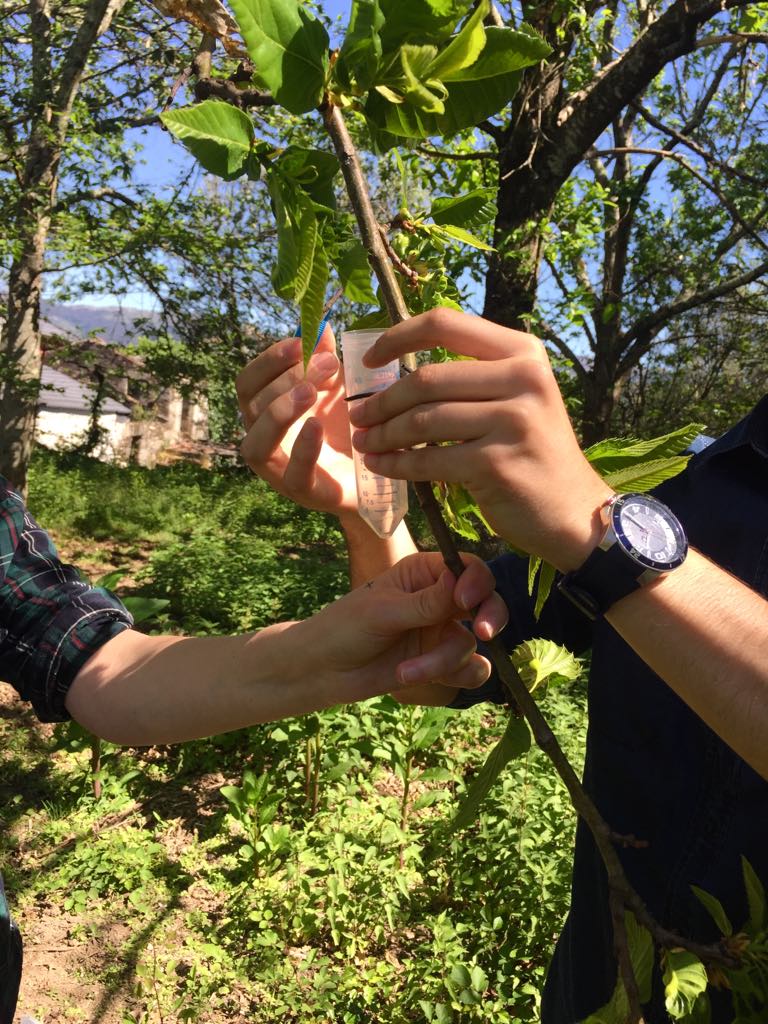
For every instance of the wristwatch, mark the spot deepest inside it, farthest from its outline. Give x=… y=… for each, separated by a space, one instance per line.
x=643 y=540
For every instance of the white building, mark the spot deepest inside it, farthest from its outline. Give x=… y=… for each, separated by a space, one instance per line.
x=64 y=411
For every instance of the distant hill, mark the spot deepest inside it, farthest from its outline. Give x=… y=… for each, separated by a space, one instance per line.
x=113 y=323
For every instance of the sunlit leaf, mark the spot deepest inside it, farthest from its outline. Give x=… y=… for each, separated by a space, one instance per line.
x=218 y=134
x=646 y=475
x=420 y=20
x=286 y=266
x=354 y=271
x=307 y=241
x=685 y=979
x=539 y=660
x=616 y=452
x=289 y=47
x=468 y=209
x=506 y=50
x=544 y=584
x=478 y=92
x=144 y=608
x=464 y=48
x=456 y=234
x=430 y=726
x=358 y=60
x=313 y=170
x=110 y=580
x=313 y=300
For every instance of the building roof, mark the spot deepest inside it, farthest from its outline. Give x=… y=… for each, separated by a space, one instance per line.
x=64 y=394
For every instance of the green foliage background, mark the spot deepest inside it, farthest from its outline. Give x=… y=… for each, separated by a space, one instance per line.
x=247 y=905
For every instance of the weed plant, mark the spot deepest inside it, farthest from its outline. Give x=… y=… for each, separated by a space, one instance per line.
x=299 y=871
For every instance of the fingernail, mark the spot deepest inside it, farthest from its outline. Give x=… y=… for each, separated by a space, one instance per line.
x=408 y=674
x=323 y=364
x=303 y=392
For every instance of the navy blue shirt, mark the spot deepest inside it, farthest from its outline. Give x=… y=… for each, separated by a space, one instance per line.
x=653 y=768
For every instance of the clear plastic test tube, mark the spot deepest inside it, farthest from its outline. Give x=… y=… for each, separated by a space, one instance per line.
x=381 y=502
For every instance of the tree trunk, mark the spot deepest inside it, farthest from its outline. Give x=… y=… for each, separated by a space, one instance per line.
x=20 y=348
x=51 y=100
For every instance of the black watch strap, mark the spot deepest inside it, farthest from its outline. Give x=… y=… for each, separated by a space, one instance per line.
x=601 y=581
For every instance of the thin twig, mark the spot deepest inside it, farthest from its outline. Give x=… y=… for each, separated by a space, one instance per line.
x=399 y=265
x=478 y=154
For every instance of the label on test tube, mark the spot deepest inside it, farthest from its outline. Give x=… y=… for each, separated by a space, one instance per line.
x=381 y=502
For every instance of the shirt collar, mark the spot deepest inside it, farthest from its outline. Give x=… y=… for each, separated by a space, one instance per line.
x=758 y=427
x=752 y=430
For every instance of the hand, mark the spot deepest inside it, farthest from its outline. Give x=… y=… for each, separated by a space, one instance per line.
x=512 y=444
x=402 y=629
x=297 y=427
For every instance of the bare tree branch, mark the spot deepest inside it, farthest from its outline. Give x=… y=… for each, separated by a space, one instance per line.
x=96 y=20
x=224 y=89
x=670 y=155
x=497 y=133
x=639 y=337
x=480 y=154
x=587 y=112
x=547 y=331
x=684 y=140
x=732 y=37
x=107 y=193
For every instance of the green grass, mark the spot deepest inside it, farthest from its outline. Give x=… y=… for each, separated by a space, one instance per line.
x=302 y=893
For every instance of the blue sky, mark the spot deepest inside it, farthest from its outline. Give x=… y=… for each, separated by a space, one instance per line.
x=165 y=161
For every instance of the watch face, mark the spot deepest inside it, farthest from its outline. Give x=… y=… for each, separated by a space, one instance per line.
x=649 y=531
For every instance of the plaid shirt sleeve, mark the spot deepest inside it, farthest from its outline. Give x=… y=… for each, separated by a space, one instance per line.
x=51 y=621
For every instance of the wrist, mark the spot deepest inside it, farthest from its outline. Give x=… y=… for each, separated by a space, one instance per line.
x=582 y=532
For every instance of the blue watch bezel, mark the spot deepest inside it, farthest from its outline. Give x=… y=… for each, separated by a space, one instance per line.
x=615 y=508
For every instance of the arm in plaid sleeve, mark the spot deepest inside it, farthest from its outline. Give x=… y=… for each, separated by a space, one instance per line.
x=51 y=622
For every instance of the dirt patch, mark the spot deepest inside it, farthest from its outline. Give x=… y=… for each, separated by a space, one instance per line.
x=59 y=965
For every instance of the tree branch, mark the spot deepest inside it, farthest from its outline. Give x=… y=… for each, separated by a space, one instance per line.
x=641 y=334
x=670 y=155
x=588 y=112
x=547 y=331
x=120 y=123
x=363 y=210
x=224 y=89
x=732 y=37
x=695 y=119
x=586 y=284
x=93 y=193
x=684 y=140
x=96 y=20
x=497 y=133
x=480 y=154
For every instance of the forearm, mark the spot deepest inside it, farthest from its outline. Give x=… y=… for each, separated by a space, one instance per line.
x=370 y=555
x=140 y=690
x=706 y=634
